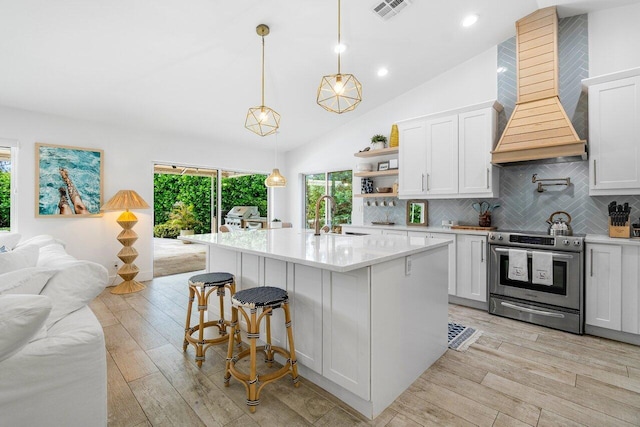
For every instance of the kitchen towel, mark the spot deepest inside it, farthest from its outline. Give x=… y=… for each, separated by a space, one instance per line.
x=518 y=269
x=542 y=268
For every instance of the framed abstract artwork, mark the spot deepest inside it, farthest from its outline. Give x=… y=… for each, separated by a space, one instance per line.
x=68 y=181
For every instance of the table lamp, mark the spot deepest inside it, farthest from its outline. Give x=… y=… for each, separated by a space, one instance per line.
x=127 y=199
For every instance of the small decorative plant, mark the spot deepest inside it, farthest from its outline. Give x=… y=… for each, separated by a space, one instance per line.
x=378 y=138
x=183 y=217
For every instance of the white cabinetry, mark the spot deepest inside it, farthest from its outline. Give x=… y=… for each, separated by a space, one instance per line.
x=442 y=156
x=412 y=158
x=345 y=330
x=448 y=155
x=421 y=236
x=613 y=287
x=614 y=133
x=603 y=286
x=472 y=267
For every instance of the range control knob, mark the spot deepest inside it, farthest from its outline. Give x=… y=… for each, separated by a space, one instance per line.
x=565 y=242
x=576 y=243
x=500 y=237
x=492 y=237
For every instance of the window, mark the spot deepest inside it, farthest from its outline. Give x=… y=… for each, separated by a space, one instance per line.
x=336 y=184
x=7 y=187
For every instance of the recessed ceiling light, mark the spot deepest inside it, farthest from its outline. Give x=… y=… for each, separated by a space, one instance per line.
x=340 y=48
x=382 y=72
x=501 y=69
x=469 y=20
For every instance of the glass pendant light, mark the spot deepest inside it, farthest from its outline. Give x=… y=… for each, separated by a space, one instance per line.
x=262 y=119
x=339 y=93
x=276 y=179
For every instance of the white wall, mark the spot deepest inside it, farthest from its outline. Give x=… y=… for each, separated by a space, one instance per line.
x=128 y=164
x=469 y=83
x=614 y=35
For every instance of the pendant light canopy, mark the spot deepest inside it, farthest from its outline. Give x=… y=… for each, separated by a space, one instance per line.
x=339 y=93
x=262 y=119
x=276 y=179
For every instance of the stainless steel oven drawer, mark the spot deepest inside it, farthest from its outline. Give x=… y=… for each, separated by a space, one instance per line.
x=552 y=317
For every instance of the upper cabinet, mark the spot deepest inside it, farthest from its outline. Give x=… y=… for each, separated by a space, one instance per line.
x=614 y=133
x=448 y=155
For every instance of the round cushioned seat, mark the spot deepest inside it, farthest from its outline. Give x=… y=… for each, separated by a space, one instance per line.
x=211 y=279
x=264 y=296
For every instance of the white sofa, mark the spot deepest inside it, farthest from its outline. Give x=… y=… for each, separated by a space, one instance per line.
x=57 y=375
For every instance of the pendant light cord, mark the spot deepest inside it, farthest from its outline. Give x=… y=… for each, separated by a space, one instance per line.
x=339 y=44
x=262 y=104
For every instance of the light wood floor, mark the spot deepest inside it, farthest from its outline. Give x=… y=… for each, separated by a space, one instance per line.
x=515 y=375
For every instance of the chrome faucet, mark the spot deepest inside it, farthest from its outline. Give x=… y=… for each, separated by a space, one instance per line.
x=333 y=204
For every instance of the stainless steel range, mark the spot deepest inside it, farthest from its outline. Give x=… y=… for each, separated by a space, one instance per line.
x=557 y=304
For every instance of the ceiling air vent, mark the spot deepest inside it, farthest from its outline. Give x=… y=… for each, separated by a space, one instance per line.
x=387 y=9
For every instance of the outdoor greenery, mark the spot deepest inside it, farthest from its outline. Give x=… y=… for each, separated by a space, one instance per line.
x=5 y=200
x=339 y=187
x=182 y=216
x=187 y=190
x=244 y=190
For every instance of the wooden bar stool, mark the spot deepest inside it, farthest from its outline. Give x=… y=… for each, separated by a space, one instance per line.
x=266 y=298
x=203 y=285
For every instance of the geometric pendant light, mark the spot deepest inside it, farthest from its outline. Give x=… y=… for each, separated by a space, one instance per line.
x=339 y=93
x=262 y=119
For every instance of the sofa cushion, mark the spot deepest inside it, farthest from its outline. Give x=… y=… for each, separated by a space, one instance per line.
x=22 y=257
x=21 y=317
x=73 y=286
x=54 y=255
x=40 y=241
x=25 y=281
x=9 y=240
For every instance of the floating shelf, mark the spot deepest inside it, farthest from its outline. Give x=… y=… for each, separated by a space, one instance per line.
x=374 y=153
x=376 y=195
x=389 y=172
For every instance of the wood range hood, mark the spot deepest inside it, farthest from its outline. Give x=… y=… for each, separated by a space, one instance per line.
x=539 y=128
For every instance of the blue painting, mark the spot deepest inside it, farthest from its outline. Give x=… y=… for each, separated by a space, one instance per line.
x=69 y=181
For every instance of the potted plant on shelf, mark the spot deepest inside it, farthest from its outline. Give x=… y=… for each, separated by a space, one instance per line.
x=183 y=217
x=378 y=141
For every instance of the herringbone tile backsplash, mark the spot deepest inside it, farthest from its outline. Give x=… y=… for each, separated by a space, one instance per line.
x=522 y=207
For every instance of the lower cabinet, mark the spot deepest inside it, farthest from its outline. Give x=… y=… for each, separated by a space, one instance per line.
x=603 y=286
x=471 y=269
x=612 y=289
x=421 y=235
x=346 y=332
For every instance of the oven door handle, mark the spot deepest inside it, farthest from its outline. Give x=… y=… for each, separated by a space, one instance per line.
x=531 y=310
x=529 y=253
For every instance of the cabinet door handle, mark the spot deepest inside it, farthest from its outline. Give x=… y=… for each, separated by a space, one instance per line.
x=594 y=172
x=591 y=262
x=427 y=182
x=488 y=174
x=422 y=182
x=482 y=252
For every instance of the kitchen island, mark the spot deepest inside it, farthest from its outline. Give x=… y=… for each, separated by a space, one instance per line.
x=369 y=312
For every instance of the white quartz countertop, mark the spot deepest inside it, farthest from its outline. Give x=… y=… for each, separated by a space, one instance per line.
x=600 y=238
x=428 y=229
x=335 y=252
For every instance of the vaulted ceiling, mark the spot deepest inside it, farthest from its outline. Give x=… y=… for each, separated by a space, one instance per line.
x=193 y=67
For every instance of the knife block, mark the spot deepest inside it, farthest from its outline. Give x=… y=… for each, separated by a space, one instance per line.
x=620 y=231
